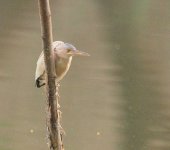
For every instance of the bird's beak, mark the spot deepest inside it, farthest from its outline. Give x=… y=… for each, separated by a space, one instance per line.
x=78 y=53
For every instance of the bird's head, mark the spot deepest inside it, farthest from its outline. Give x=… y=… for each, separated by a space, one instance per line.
x=67 y=50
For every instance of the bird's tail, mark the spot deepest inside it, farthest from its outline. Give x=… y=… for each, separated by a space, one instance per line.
x=39 y=82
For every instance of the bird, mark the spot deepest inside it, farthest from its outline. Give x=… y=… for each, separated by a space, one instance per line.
x=63 y=54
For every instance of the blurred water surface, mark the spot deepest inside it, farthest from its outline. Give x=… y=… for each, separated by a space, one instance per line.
x=117 y=99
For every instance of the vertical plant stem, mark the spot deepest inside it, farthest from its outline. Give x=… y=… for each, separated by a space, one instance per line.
x=53 y=124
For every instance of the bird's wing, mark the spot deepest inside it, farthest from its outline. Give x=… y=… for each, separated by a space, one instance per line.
x=40 y=67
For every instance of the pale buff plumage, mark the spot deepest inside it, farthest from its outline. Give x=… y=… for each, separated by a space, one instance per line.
x=63 y=53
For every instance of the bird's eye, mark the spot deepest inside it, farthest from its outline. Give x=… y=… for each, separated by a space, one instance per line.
x=68 y=50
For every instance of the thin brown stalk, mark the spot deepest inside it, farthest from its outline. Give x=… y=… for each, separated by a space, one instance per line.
x=53 y=118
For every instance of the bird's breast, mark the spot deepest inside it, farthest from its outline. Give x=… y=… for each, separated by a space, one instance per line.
x=62 y=66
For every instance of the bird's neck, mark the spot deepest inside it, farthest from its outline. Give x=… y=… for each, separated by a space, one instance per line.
x=62 y=66
x=63 y=60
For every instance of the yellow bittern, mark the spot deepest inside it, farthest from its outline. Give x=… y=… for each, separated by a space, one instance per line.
x=63 y=53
